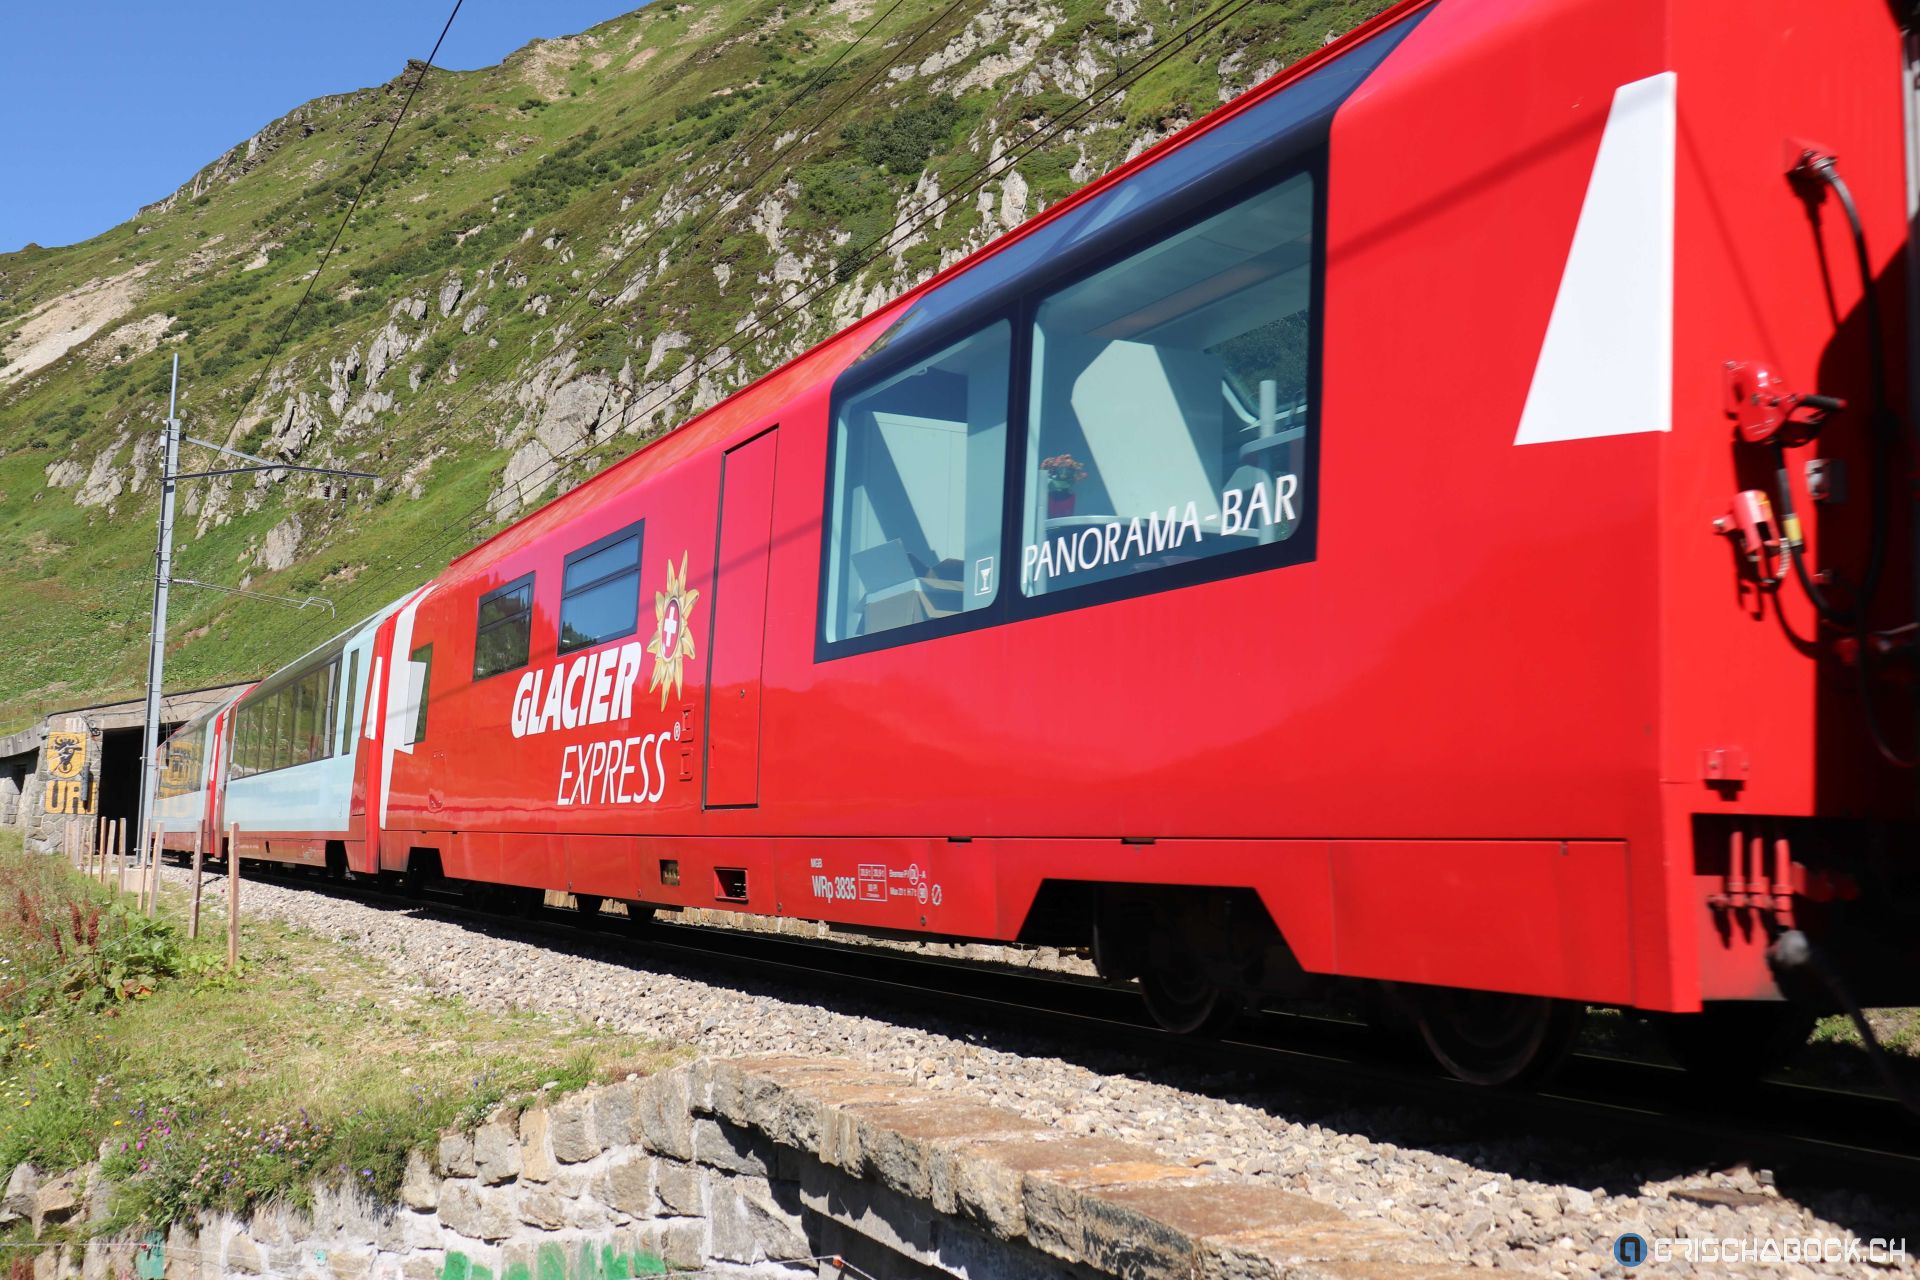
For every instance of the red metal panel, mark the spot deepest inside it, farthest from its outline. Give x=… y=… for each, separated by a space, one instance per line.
x=1538 y=917
x=739 y=616
x=1496 y=645
x=607 y=866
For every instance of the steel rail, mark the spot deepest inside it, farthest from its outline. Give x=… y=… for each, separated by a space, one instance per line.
x=1812 y=1136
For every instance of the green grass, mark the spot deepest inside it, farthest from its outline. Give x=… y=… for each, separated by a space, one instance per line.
x=217 y=1090
x=554 y=141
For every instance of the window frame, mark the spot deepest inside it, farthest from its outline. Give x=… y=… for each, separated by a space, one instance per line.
x=259 y=721
x=349 y=697
x=480 y=629
x=1018 y=302
x=871 y=375
x=426 y=690
x=636 y=531
x=1303 y=546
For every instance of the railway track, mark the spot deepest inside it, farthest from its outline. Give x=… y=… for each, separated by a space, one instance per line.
x=1809 y=1136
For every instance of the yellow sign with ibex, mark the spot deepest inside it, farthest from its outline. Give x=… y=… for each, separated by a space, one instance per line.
x=66 y=771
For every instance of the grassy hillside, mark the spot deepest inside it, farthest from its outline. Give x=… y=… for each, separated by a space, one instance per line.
x=559 y=257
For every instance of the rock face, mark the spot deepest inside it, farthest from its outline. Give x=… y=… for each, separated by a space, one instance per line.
x=281 y=547
x=22 y=1186
x=678 y=261
x=751 y=1166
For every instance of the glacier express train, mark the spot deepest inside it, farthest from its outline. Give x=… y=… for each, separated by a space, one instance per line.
x=1434 y=523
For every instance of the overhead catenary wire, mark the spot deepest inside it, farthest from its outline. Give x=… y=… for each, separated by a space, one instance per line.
x=460 y=528
x=703 y=362
x=985 y=173
x=627 y=255
x=587 y=291
x=366 y=180
x=713 y=192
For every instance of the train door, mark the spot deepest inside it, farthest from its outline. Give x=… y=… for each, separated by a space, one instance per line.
x=739 y=616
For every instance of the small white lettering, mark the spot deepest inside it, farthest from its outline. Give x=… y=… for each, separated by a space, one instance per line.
x=1249 y=510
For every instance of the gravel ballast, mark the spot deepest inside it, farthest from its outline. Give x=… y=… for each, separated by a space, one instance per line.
x=1523 y=1202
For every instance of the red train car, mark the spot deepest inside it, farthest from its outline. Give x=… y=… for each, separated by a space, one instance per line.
x=1356 y=540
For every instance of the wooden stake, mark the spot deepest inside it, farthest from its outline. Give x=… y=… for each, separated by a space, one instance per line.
x=193 y=912
x=120 y=857
x=233 y=895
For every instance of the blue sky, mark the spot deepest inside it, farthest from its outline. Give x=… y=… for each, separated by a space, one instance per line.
x=110 y=104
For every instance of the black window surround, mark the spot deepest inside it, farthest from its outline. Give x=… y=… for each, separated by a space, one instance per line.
x=1094 y=254
x=521 y=617
x=1256 y=148
x=571 y=591
x=424 y=656
x=268 y=734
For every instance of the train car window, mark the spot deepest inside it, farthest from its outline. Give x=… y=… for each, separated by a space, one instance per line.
x=257 y=754
x=504 y=629
x=1168 y=400
x=600 y=591
x=350 y=705
x=919 y=480
x=330 y=708
x=306 y=710
x=246 y=722
x=260 y=728
x=422 y=676
x=282 y=719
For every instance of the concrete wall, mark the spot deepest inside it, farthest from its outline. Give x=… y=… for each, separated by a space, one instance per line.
x=43 y=805
x=759 y=1167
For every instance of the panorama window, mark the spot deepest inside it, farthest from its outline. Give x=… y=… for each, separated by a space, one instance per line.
x=600 y=592
x=282 y=720
x=288 y=726
x=504 y=630
x=919 y=474
x=349 y=708
x=1168 y=406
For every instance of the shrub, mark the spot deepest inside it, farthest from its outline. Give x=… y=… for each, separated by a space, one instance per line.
x=902 y=141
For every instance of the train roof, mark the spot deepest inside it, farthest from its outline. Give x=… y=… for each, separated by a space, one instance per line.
x=825 y=360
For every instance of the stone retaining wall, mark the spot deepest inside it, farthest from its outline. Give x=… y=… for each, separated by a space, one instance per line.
x=765 y=1167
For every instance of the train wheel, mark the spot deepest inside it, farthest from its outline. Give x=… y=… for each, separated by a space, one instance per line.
x=1491 y=1037
x=1181 y=999
x=639 y=917
x=589 y=908
x=1735 y=1043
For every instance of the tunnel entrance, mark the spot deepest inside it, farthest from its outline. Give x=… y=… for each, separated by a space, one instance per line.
x=16 y=776
x=120 y=775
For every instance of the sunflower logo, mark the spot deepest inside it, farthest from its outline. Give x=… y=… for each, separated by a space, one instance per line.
x=672 y=643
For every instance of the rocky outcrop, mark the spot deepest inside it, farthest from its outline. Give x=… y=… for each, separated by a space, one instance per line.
x=281 y=546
